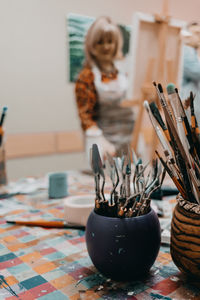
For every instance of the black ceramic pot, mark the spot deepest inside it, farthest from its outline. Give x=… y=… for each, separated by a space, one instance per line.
x=123 y=249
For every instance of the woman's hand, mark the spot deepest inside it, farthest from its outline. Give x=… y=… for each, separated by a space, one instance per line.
x=93 y=131
x=107 y=147
x=94 y=135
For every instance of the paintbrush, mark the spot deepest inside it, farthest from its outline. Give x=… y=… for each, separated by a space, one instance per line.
x=179 y=117
x=161 y=97
x=156 y=119
x=47 y=224
x=156 y=127
x=157 y=116
x=180 y=154
x=187 y=128
x=172 y=129
x=5 y=108
x=194 y=125
x=193 y=117
x=191 y=145
x=193 y=142
x=176 y=182
x=167 y=152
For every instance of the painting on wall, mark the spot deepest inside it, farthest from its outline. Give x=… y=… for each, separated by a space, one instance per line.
x=77 y=27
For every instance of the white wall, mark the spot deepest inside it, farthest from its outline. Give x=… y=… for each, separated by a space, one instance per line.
x=34 y=60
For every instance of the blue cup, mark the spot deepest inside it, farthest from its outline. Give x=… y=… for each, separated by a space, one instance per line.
x=57 y=185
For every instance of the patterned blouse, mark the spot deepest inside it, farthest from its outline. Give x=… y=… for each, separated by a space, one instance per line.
x=86 y=96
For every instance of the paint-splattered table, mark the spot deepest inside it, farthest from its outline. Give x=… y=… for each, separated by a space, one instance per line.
x=39 y=263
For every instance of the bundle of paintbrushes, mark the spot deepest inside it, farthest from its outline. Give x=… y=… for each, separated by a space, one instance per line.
x=131 y=190
x=179 y=139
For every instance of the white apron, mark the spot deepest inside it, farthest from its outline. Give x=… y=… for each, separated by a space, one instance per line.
x=116 y=122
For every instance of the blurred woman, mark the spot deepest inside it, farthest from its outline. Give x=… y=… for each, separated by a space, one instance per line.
x=101 y=86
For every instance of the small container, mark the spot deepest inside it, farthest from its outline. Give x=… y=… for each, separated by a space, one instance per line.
x=78 y=208
x=57 y=185
x=185 y=238
x=123 y=249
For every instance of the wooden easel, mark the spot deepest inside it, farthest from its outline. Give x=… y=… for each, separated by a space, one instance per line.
x=148 y=90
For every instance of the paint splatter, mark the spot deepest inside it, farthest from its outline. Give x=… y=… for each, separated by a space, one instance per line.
x=174 y=278
x=130 y=293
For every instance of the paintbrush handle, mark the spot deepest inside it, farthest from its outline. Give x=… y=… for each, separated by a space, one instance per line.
x=156 y=127
x=175 y=180
x=48 y=224
x=2 y=119
x=181 y=132
x=182 y=125
x=193 y=122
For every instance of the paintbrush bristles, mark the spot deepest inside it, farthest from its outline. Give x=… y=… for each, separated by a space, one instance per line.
x=160 y=88
x=157 y=115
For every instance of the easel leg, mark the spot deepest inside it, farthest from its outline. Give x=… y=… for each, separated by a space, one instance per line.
x=137 y=127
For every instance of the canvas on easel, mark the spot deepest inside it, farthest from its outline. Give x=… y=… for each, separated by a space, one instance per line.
x=156 y=55
x=145 y=46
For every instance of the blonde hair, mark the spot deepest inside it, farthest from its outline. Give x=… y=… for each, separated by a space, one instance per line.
x=100 y=27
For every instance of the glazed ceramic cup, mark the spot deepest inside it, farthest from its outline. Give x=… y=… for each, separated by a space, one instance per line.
x=123 y=249
x=57 y=185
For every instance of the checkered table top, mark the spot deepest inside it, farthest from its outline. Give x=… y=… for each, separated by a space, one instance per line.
x=40 y=263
